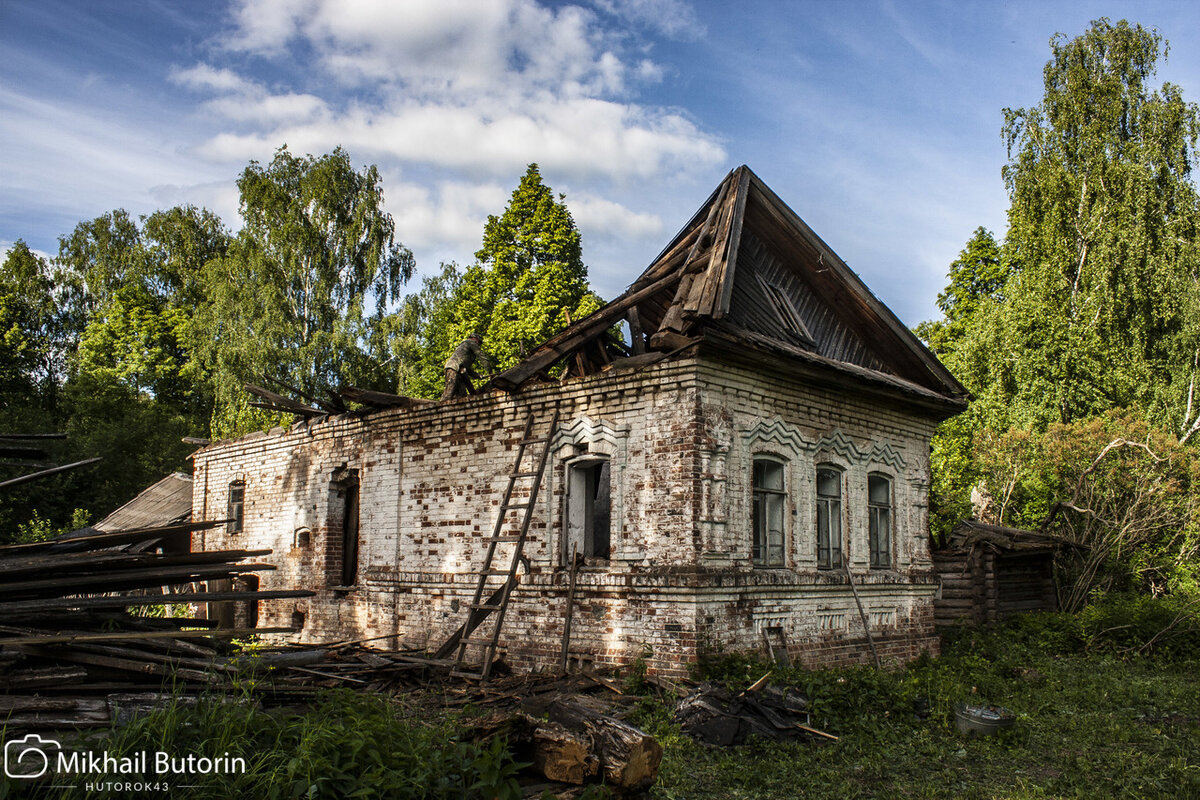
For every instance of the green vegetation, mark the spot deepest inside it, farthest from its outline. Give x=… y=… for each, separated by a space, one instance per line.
x=143 y=331
x=1078 y=336
x=528 y=282
x=1104 y=709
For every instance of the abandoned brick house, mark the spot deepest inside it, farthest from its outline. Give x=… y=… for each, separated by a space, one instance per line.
x=748 y=472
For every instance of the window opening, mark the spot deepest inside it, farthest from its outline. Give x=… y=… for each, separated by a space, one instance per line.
x=350 y=532
x=237 y=506
x=879 y=509
x=829 y=518
x=589 y=495
x=769 y=497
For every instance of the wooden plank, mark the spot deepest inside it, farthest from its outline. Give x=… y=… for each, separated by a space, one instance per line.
x=130 y=636
x=281 y=403
x=33 y=476
x=637 y=337
x=102 y=540
x=103 y=562
x=578 y=334
x=128 y=579
x=371 y=397
x=721 y=306
x=11 y=608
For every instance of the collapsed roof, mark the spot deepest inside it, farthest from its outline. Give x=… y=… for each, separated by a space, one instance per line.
x=746 y=272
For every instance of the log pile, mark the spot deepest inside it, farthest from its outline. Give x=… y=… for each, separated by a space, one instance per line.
x=87 y=625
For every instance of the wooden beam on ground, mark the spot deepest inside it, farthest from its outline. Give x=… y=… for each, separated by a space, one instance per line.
x=130 y=636
x=124 y=601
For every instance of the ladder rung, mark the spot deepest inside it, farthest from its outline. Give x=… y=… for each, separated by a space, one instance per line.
x=522 y=474
x=495 y=572
x=537 y=440
x=476 y=640
x=463 y=673
x=515 y=506
x=491 y=606
x=506 y=537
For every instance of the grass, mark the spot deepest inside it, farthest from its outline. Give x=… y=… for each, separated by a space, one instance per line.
x=1093 y=722
x=1099 y=715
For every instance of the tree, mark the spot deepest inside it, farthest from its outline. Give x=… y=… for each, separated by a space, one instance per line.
x=302 y=285
x=528 y=278
x=1101 y=310
x=978 y=274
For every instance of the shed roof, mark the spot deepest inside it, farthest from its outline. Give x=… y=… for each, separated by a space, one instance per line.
x=167 y=502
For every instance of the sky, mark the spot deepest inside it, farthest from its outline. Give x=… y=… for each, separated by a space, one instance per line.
x=878 y=122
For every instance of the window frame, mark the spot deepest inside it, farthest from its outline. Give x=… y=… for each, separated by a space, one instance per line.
x=586 y=468
x=760 y=496
x=236 y=508
x=830 y=557
x=874 y=511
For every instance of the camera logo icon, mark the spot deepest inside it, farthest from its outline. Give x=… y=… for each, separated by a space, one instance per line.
x=29 y=758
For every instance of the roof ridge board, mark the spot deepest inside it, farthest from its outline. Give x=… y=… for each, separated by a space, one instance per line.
x=854 y=283
x=687 y=228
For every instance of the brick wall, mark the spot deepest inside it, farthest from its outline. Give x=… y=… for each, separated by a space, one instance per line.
x=679 y=439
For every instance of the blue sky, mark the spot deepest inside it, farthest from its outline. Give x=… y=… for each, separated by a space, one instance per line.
x=878 y=122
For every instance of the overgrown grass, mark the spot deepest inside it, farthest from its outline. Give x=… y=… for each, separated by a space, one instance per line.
x=1096 y=717
x=346 y=745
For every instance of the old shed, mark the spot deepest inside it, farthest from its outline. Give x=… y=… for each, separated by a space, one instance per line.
x=990 y=572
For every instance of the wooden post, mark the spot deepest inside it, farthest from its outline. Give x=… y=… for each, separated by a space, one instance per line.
x=863 y=614
x=566 y=644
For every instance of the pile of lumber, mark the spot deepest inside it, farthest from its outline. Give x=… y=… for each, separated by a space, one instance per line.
x=714 y=715
x=88 y=622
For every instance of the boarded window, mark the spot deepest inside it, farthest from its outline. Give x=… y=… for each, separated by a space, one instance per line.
x=879 y=508
x=588 y=509
x=769 y=500
x=237 y=506
x=829 y=518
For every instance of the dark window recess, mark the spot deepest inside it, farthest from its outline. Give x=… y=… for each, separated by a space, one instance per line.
x=785 y=309
x=769 y=497
x=237 y=506
x=829 y=518
x=588 y=509
x=350 y=533
x=879 y=508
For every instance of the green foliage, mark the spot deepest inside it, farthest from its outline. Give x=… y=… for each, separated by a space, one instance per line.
x=345 y=746
x=1095 y=718
x=978 y=274
x=1120 y=490
x=1101 y=309
x=300 y=289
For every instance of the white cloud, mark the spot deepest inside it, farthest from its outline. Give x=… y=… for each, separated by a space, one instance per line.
x=674 y=18
x=479 y=86
x=599 y=217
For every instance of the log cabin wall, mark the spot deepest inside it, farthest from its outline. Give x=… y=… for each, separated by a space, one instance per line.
x=983 y=584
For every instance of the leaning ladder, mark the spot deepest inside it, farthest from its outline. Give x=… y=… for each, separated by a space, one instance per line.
x=492 y=596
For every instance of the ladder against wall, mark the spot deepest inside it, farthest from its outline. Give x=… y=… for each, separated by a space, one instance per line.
x=479 y=635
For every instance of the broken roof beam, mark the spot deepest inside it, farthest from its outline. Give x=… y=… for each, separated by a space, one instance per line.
x=333 y=406
x=278 y=402
x=370 y=397
x=33 y=476
x=577 y=335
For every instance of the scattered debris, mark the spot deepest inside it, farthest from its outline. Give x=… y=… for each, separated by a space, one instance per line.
x=714 y=715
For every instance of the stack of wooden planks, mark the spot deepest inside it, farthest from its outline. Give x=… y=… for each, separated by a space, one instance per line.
x=95 y=622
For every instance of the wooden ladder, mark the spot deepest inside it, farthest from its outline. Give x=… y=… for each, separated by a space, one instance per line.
x=495 y=586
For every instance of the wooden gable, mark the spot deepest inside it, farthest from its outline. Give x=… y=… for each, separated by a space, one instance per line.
x=747 y=271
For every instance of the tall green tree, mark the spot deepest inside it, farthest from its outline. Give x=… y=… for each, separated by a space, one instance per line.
x=529 y=276
x=313 y=270
x=976 y=276
x=1101 y=312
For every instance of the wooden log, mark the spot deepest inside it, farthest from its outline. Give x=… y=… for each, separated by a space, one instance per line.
x=629 y=757
x=563 y=755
